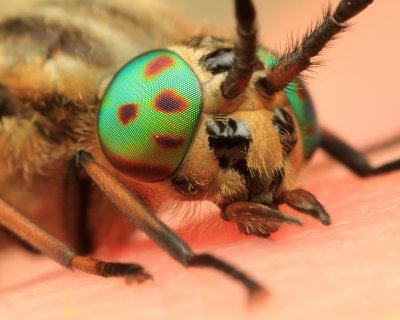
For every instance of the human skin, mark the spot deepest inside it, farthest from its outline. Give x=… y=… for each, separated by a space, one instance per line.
x=348 y=270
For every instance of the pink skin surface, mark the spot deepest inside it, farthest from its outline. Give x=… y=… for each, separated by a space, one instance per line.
x=349 y=270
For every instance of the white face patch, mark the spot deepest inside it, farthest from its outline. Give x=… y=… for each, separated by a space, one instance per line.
x=280 y=115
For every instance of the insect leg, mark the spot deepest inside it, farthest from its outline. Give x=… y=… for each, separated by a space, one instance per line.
x=351 y=158
x=58 y=251
x=144 y=219
x=75 y=208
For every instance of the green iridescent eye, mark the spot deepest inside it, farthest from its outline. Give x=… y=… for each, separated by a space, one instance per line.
x=302 y=106
x=149 y=114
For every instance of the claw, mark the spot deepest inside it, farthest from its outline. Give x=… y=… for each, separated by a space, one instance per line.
x=131 y=272
x=249 y=212
x=140 y=277
x=306 y=202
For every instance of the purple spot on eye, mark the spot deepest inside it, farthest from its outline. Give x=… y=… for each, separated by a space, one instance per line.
x=158 y=65
x=169 y=102
x=166 y=141
x=138 y=169
x=310 y=130
x=127 y=113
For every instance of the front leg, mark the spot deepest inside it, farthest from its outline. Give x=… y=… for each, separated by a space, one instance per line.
x=35 y=236
x=161 y=234
x=351 y=158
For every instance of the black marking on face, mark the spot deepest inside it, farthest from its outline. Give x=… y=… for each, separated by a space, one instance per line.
x=221 y=60
x=57 y=38
x=277 y=179
x=218 y=61
x=284 y=127
x=229 y=139
x=258 y=192
x=185 y=185
x=261 y=86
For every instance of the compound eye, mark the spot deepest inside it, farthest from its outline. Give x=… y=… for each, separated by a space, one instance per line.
x=149 y=114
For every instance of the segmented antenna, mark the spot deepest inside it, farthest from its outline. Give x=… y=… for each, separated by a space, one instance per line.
x=293 y=63
x=245 y=50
